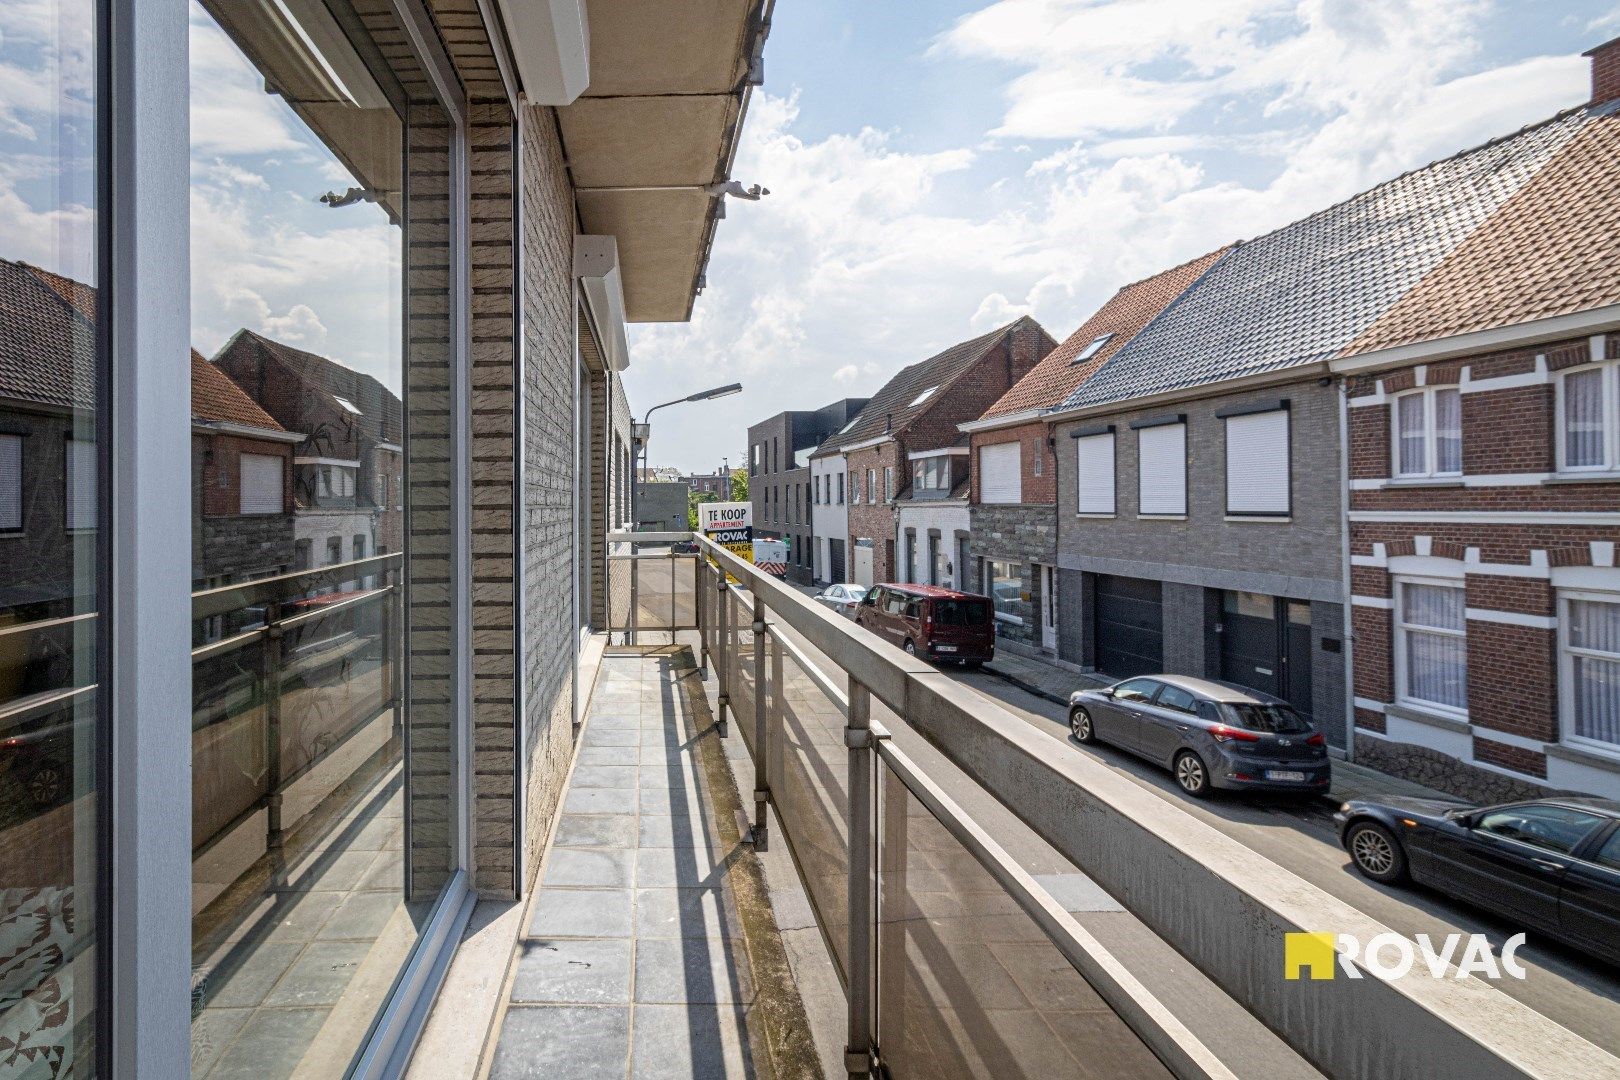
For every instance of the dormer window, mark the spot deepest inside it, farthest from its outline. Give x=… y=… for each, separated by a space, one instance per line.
x=922 y=397
x=1093 y=348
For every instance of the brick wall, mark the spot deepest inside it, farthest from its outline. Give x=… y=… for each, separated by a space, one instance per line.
x=875 y=521
x=1037 y=461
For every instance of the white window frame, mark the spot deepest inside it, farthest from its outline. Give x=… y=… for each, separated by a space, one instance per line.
x=1284 y=513
x=1177 y=507
x=1611 y=423
x=1399 y=630
x=888 y=483
x=243 y=495
x=1431 y=454
x=1113 y=477
x=871 y=487
x=1566 y=671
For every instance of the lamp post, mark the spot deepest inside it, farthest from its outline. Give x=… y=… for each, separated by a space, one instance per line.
x=643 y=433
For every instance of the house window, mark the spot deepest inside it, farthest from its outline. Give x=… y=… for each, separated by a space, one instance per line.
x=80 y=484
x=10 y=483
x=1428 y=432
x=1038 y=465
x=1004 y=582
x=1589 y=670
x=1094 y=474
x=840 y=489
x=888 y=483
x=1431 y=644
x=999 y=473
x=1257 y=465
x=1092 y=348
x=1587 y=430
x=261 y=487
x=1161 y=473
x=871 y=486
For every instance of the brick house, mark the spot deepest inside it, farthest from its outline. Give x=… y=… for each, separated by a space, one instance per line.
x=1484 y=504
x=1012 y=501
x=779 y=482
x=919 y=409
x=1199 y=531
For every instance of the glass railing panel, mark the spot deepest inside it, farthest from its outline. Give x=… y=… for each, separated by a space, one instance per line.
x=968 y=983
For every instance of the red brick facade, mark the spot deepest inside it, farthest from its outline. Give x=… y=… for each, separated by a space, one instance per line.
x=1515 y=533
x=221 y=481
x=1038 y=485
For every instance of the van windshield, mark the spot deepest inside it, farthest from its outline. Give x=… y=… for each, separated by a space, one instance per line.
x=1279 y=719
x=960 y=613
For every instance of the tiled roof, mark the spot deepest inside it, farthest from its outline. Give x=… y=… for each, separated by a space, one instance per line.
x=215 y=397
x=47 y=348
x=1552 y=249
x=896 y=403
x=380 y=412
x=1123 y=316
x=1302 y=293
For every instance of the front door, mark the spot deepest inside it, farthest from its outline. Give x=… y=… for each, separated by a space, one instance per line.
x=835 y=561
x=1049 y=608
x=863 y=563
x=1266 y=646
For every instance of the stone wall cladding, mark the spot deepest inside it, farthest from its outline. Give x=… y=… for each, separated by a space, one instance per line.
x=549 y=484
x=1512 y=668
x=1422 y=765
x=1014 y=531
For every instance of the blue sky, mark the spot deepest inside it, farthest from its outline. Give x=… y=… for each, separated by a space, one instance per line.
x=939 y=168
x=936 y=169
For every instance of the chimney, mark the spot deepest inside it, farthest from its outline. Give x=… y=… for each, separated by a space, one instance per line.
x=1605 y=72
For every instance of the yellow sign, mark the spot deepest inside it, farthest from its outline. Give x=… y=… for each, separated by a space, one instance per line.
x=1314 y=951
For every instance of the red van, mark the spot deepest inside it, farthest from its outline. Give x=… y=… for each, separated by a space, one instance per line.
x=941 y=625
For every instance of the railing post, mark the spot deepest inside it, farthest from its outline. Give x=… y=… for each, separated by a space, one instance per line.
x=394 y=643
x=778 y=708
x=635 y=581
x=762 y=694
x=722 y=667
x=700 y=603
x=673 y=564
x=273 y=663
x=862 y=891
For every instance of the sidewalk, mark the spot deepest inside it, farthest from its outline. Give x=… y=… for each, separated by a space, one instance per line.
x=1053 y=683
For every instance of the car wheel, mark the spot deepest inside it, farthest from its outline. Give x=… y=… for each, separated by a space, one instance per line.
x=1376 y=852
x=910 y=647
x=45 y=784
x=1192 y=775
x=1080 y=726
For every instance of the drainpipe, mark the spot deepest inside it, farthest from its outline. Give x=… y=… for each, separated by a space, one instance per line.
x=1344 y=566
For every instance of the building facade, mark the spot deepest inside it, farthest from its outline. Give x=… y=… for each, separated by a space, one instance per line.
x=932 y=517
x=779 y=480
x=829 y=519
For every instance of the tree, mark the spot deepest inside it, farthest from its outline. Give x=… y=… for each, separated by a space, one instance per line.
x=739 y=485
x=692 y=501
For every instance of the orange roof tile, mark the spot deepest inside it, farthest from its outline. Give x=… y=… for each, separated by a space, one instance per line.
x=1548 y=250
x=215 y=397
x=1126 y=312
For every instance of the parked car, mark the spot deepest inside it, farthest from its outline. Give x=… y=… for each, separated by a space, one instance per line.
x=1210 y=735
x=1552 y=865
x=843 y=599
x=938 y=624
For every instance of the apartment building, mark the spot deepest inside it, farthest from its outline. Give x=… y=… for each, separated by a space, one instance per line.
x=411 y=234
x=918 y=409
x=1012 y=501
x=1484 y=503
x=1200 y=524
x=779 y=481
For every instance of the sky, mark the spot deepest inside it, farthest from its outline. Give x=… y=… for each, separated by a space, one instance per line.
x=938 y=169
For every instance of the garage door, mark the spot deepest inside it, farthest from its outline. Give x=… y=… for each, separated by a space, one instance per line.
x=1129 y=626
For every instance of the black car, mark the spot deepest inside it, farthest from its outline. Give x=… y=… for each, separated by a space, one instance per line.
x=1552 y=865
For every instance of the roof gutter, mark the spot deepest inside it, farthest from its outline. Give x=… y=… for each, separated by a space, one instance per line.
x=1293 y=374
x=866 y=444
x=1594 y=320
x=991 y=423
x=246 y=431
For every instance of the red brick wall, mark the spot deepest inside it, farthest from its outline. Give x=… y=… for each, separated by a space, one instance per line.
x=226 y=500
x=1508 y=431
x=1606 y=73
x=976 y=389
x=1517 y=758
x=1374 y=658
x=1512 y=677
x=875 y=521
x=1368 y=433
x=1041 y=489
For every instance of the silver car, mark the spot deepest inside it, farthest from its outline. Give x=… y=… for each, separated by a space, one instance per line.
x=843 y=599
x=1210 y=735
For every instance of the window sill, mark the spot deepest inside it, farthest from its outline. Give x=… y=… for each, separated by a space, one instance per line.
x=1606 y=476
x=1423 y=482
x=1097 y=517
x=1590 y=756
x=1261 y=519
x=1161 y=517
x=1437 y=716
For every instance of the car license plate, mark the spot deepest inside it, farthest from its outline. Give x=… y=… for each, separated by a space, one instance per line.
x=944 y=648
x=1284 y=774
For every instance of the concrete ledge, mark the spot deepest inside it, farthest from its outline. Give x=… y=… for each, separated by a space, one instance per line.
x=1434 y=720
x=1590 y=758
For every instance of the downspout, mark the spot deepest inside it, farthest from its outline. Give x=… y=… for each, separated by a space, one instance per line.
x=1344 y=566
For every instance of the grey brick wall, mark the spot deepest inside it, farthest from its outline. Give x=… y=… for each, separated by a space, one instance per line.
x=549 y=482
x=1023 y=532
x=1184 y=629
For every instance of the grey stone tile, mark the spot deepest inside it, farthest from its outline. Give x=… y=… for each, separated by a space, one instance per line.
x=334 y=871
x=270 y=1045
x=656 y=774
x=361 y=917
x=691 y=971
x=619 y=719
x=680 y=1042
x=211 y=1032
x=387 y=873
x=601 y=868
x=251 y=981
x=689 y=912
x=595 y=736
x=682 y=801
x=609 y=755
x=599 y=801
x=598 y=830
x=320 y=974
x=582 y=913
x=664 y=830
x=590 y=971
x=604 y=776
x=562 y=1042
x=686 y=867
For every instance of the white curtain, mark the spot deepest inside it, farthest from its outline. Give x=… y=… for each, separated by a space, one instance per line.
x=1447 y=431
x=1434 y=621
x=1583 y=418
x=1411 y=427
x=1594 y=627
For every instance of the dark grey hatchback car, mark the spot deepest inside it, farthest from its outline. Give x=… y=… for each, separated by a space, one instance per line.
x=1208 y=734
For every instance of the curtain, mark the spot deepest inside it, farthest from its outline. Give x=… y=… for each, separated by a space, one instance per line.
x=1594 y=626
x=1583 y=418
x=1434 y=618
x=1411 y=428
x=1447 y=431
